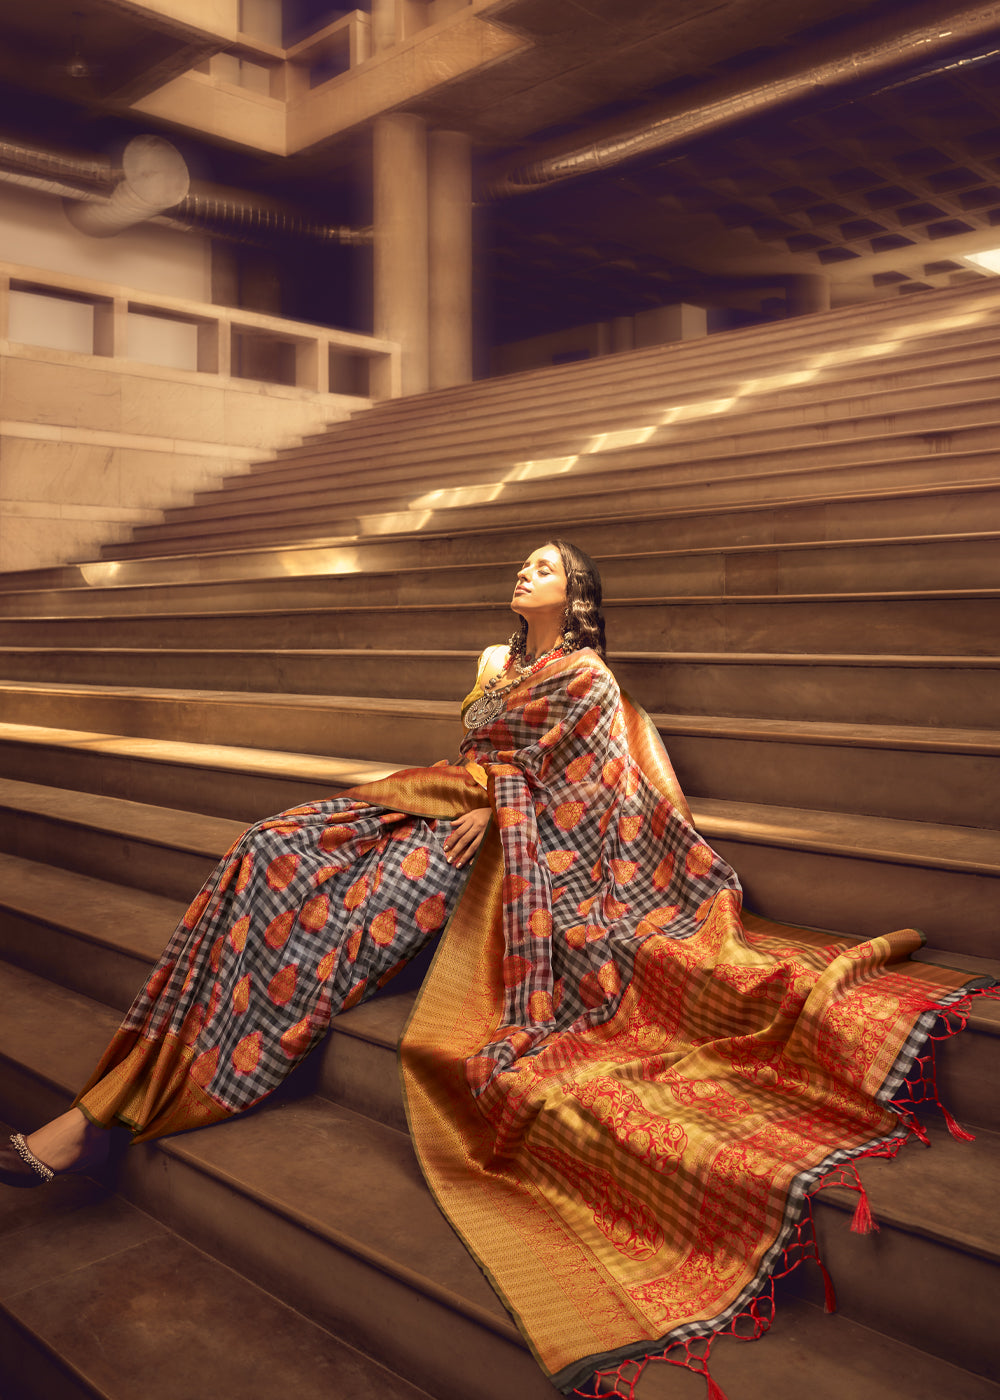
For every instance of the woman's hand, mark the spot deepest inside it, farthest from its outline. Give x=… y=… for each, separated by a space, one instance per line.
x=467 y=831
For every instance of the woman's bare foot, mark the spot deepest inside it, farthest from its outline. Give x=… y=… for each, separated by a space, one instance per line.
x=70 y=1143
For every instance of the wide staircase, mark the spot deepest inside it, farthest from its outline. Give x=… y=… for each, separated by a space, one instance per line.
x=798 y=527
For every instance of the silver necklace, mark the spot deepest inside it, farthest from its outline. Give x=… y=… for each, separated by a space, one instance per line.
x=490 y=705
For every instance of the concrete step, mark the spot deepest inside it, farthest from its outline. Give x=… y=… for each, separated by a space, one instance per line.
x=920 y=774
x=861 y=874
x=893 y=1281
x=940 y=691
x=215 y=780
x=82 y=1272
x=359 y=727
x=76 y=931
x=969 y=561
x=160 y=850
x=662 y=396
x=906 y=383
x=136 y=1262
x=249 y=609
x=906 y=459
x=852 y=690
x=916 y=773
x=724 y=486
x=638 y=413
x=696 y=430
x=957 y=622
x=803 y=1355
x=806 y=346
x=748 y=368
x=866 y=688
x=950 y=776
x=882 y=533
x=944 y=692
x=665 y=401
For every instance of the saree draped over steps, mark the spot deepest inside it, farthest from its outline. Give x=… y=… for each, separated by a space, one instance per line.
x=620 y=1089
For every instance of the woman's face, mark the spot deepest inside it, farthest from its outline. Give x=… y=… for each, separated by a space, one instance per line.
x=541 y=585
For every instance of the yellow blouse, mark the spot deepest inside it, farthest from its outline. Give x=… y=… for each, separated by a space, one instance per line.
x=491 y=663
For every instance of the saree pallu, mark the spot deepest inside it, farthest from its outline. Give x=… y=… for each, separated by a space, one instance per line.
x=620 y=1087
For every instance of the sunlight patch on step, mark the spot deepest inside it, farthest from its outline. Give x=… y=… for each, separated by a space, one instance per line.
x=542 y=467
x=398 y=524
x=101 y=572
x=706 y=408
x=448 y=497
x=321 y=561
x=621 y=437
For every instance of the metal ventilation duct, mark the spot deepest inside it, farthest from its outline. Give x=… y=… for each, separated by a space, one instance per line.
x=154 y=178
x=803 y=74
x=98 y=204
x=242 y=217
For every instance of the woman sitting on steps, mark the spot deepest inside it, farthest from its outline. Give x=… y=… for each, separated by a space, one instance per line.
x=620 y=1086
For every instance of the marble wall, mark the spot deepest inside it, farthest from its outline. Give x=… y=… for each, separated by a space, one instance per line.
x=90 y=447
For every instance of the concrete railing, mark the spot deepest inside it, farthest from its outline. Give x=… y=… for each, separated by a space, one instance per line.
x=116 y=404
x=206 y=339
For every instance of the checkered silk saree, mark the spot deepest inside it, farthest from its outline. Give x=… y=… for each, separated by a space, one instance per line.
x=306 y=915
x=620 y=1088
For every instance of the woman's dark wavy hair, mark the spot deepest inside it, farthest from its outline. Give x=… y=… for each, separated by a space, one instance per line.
x=584 y=623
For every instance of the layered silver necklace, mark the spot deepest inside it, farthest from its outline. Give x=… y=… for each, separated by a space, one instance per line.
x=490 y=705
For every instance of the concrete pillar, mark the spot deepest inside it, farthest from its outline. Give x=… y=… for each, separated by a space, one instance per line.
x=111 y=327
x=449 y=189
x=622 y=334
x=806 y=292
x=401 y=253
x=225 y=274
x=662 y=324
x=383 y=24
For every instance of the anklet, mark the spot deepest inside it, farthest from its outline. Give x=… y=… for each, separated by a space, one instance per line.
x=28 y=1157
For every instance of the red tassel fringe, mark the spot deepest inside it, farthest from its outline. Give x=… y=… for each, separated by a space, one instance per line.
x=954 y=1128
x=830 y=1294
x=713 y=1391
x=863 y=1223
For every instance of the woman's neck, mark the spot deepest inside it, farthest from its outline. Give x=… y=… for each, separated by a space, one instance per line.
x=542 y=637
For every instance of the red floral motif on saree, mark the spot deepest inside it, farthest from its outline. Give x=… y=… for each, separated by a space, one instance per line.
x=623 y=1219
x=653 y=1140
